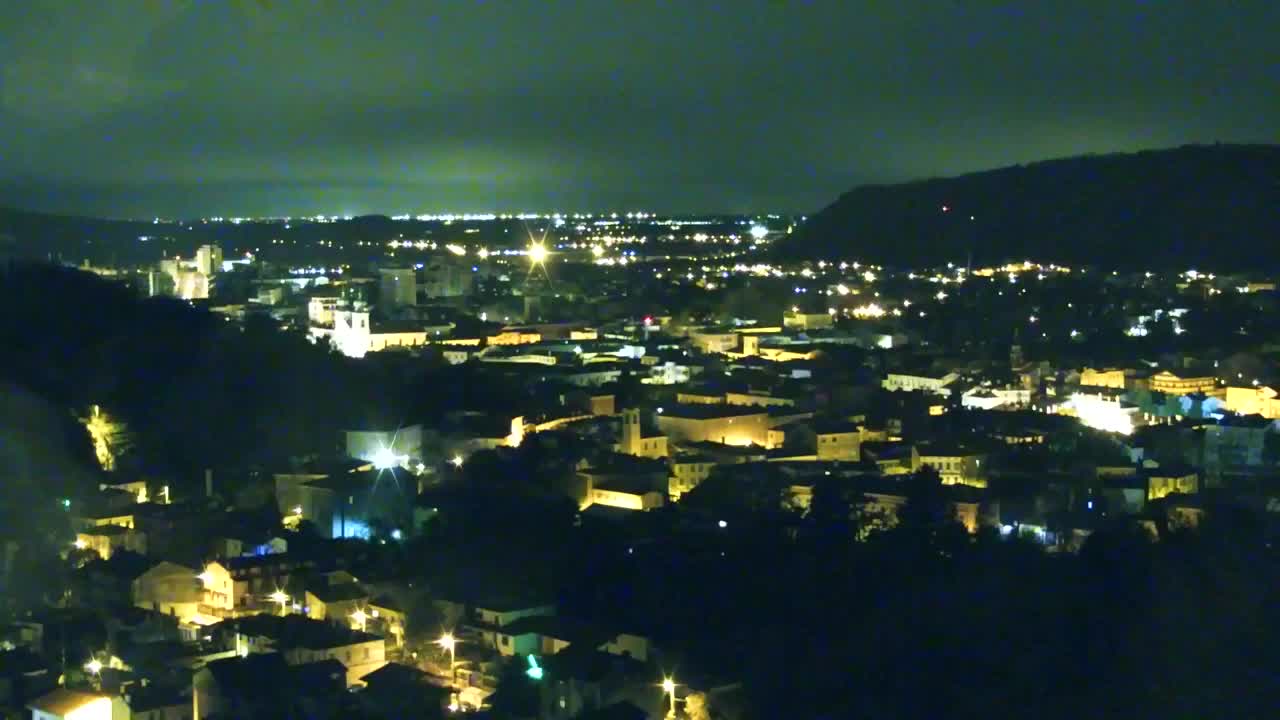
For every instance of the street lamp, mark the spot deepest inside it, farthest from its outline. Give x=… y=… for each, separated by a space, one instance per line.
x=280 y=598
x=93 y=667
x=537 y=253
x=457 y=461
x=361 y=619
x=450 y=643
x=669 y=687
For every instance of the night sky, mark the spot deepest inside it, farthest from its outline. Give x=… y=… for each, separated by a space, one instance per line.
x=180 y=107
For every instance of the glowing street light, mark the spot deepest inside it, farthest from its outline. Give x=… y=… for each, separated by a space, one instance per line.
x=80 y=544
x=385 y=458
x=537 y=253
x=93 y=667
x=450 y=643
x=457 y=461
x=669 y=687
x=280 y=598
x=361 y=619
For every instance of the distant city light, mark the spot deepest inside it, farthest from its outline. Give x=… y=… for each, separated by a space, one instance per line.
x=759 y=232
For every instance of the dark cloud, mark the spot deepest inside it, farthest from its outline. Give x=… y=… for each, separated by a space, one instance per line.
x=275 y=106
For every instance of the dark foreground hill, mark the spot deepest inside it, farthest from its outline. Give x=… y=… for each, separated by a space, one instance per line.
x=1214 y=207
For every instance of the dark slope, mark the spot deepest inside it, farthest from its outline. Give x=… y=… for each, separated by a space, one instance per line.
x=1215 y=207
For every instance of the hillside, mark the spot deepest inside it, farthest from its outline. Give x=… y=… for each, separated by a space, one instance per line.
x=1215 y=207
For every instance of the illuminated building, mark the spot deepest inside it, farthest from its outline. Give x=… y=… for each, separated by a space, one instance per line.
x=1172 y=384
x=196 y=597
x=397 y=287
x=1167 y=481
x=320 y=311
x=633 y=440
x=934 y=383
x=335 y=602
x=1104 y=410
x=955 y=466
x=64 y=704
x=623 y=481
x=687 y=472
x=1108 y=378
x=796 y=320
x=191 y=285
x=838 y=441
x=513 y=337
x=106 y=540
x=208 y=260
x=301 y=640
x=1261 y=400
x=715 y=423
x=373 y=445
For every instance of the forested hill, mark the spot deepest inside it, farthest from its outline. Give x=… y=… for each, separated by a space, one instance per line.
x=1215 y=207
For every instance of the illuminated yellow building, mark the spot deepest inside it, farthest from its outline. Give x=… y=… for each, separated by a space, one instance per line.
x=715 y=423
x=1261 y=400
x=934 y=383
x=335 y=602
x=696 y=397
x=687 y=473
x=1167 y=482
x=633 y=440
x=1109 y=378
x=756 y=398
x=513 y=337
x=1169 y=383
x=838 y=441
x=106 y=540
x=796 y=320
x=956 y=466
x=195 y=597
x=64 y=704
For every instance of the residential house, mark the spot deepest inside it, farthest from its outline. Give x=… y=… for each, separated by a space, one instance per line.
x=64 y=704
x=105 y=540
x=302 y=640
x=955 y=465
x=396 y=690
x=335 y=603
x=145 y=701
x=1261 y=400
x=263 y=686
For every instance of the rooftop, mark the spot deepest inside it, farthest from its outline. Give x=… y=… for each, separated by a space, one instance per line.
x=63 y=702
x=709 y=412
x=293 y=631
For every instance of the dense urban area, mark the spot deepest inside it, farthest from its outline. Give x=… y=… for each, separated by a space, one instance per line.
x=627 y=466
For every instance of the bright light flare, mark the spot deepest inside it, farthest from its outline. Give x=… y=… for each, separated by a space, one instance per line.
x=447 y=641
x=93 y=667
x=537 y=253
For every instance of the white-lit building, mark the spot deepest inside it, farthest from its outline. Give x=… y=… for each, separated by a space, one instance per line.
x=934 y=383
x=1104 y=411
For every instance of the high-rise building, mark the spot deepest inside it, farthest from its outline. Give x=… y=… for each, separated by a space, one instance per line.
x=397 y=287
x=209 y=259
